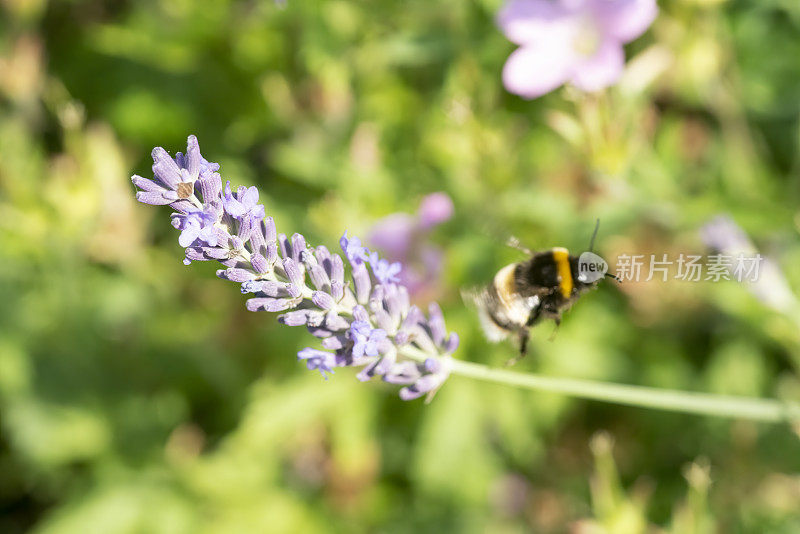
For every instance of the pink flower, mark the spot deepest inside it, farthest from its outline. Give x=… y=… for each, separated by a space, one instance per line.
x=576 y=41
x=403 y=237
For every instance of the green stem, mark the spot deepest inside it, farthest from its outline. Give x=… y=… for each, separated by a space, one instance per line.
x=644 y=397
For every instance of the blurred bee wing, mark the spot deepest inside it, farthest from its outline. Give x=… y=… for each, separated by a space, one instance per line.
x=481 y=301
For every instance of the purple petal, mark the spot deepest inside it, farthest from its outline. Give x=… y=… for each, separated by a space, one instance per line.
x=188 y=236
x=602 y=69
x=250 y=197
x=435 y=209
x=534 y=70
x=625 y=20
x=394 y=234
x=526 y=21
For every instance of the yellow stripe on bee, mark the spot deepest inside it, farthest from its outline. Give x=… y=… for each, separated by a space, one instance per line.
x=561 y=257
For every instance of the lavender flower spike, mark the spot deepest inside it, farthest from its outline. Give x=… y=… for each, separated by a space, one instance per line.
x=388 y=338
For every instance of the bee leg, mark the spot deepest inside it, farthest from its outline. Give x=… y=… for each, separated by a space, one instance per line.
x=524 y=333
x=557 y=320
x=513 y=242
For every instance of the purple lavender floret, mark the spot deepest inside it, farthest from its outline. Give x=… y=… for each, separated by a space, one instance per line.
x=384 y=271
x=361 y=320
x=365 y=338
x=353 y=250
x=196 y=224
x=242 y=204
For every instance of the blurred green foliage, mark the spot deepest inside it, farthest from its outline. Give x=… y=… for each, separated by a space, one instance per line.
x=138 y=395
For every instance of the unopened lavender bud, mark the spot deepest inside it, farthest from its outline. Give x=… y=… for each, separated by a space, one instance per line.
x=298 y=247
x=452 y=343
x=384 y=320
x=413 y=318
x=293 y=272
x=285 y=246
x=335 y=322
x=337 y=290
x=362 y=282
x=294 y=290
x=259 y=263
x=270 y=234
x=146 y=184
x=165 y=168
x=155 y=198
x=257 y=242
x=210 y=186
x=236 y=275
x=432 y=365
x=215 y=253
x=319 y=332
x=337 y=268
x=316 y=273
x=386 y=363
x=269 y=304
x=272 y=253
x=269 y=288
x=436 y=322
x=360 y=314
x=245 y=229
x=322 y=300
x=420 y=387
x=402 y=373
x=294 y=318
x=335 y=342
x=323 y=256
x=182 y=206
x=376 y=298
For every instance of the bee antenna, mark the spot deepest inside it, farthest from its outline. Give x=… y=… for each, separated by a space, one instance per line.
x=594 y=234
x=615 y=277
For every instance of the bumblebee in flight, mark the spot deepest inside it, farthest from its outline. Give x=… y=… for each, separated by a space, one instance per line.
x=523 y=294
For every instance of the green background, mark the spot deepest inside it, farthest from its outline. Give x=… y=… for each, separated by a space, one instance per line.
x=138 y=394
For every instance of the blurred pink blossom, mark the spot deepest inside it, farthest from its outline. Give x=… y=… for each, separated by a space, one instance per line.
x=576 y=41
x=403 y=237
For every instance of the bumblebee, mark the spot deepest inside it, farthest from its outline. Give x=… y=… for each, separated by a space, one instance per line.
x=525 y=293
